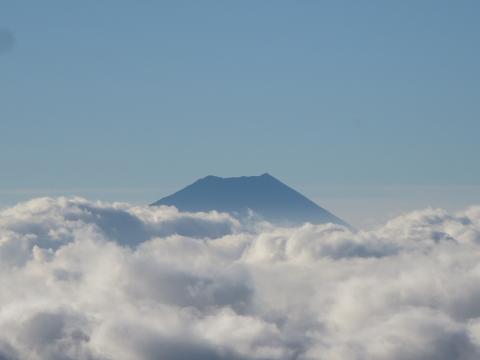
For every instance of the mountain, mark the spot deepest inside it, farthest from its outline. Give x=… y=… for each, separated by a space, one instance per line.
x=264 y=195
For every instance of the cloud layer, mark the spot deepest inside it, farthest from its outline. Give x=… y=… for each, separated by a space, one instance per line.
x=90 y=280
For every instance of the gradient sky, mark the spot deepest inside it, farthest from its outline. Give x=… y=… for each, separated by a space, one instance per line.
x=367 y=107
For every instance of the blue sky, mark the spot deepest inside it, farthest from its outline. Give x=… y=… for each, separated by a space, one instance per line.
x=368 y=107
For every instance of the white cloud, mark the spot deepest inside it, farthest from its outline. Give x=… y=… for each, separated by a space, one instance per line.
x=91 y=280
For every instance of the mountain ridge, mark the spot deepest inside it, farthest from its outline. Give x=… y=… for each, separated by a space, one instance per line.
x=264 y=194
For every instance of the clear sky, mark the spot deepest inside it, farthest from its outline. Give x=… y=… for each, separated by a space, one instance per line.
x=367 y=107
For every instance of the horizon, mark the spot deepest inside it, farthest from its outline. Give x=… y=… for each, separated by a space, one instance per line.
x=348 y=202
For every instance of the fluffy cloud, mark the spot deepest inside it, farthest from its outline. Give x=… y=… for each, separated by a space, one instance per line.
x=90 y=280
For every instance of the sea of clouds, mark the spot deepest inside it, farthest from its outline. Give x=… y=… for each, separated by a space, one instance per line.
x=93 y=280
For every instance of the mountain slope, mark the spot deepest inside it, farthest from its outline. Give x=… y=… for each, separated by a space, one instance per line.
x=264 y=194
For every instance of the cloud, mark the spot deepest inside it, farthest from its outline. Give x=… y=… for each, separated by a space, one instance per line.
x=92 y=280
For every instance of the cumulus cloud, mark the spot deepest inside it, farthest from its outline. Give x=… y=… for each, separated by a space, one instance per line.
x=93 y=280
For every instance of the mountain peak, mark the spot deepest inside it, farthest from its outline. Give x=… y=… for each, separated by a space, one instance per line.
x=264 y=194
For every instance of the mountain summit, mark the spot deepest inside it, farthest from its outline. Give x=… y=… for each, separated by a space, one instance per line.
x=264 y=195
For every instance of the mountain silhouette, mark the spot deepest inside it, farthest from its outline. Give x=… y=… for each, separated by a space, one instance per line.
x=266 y=196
